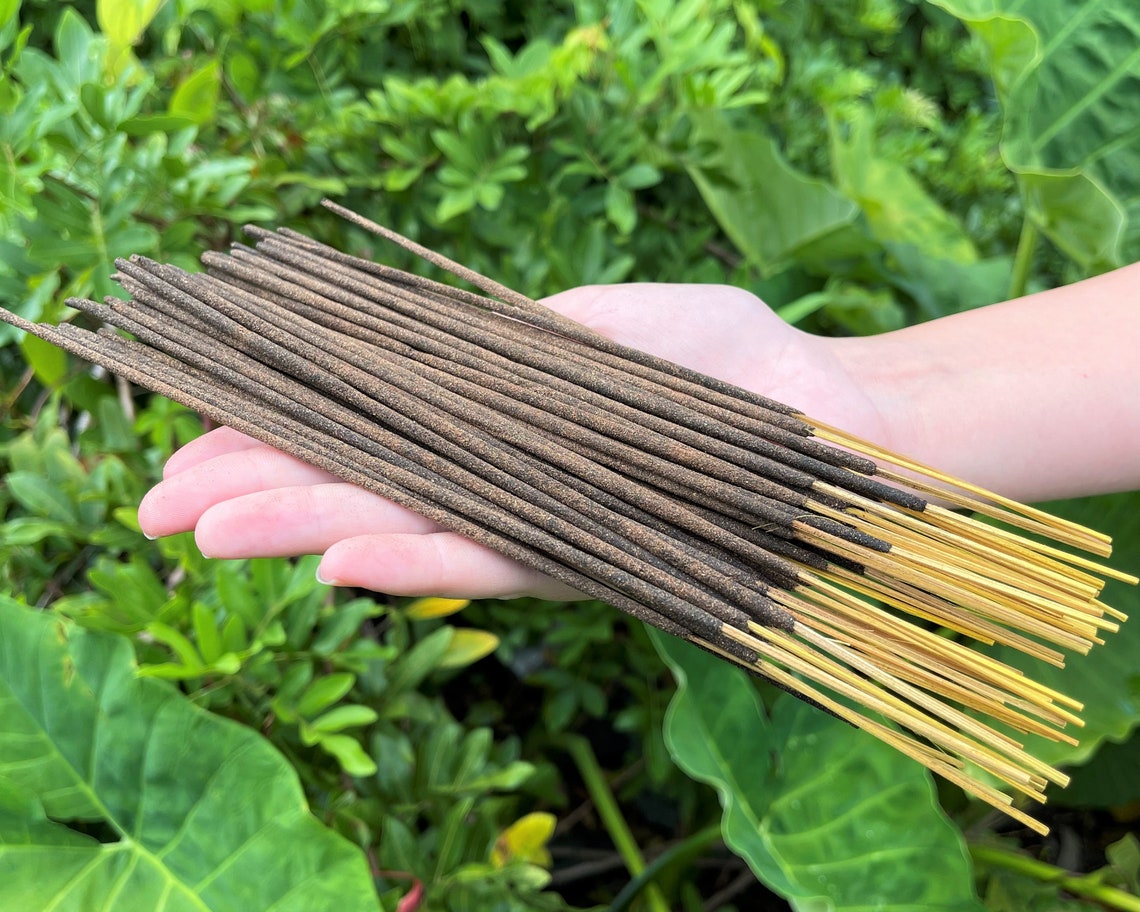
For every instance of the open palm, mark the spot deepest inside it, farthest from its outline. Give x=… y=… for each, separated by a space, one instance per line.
x=244 y=499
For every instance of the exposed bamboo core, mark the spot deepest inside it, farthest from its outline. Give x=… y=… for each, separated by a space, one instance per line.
x=779 y=543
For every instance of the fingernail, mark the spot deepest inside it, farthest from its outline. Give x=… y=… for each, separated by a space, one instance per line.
x=324 y=582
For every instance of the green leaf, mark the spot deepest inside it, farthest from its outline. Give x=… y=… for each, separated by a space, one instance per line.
x=342 y=717
x=41 y=497
x=234 y=635
x=196 y=99
x=146 y=124
x=343 y=624
x=48 y=361
x=73 y=40
x=324 y=692
x=1067 y=72
x=178 y=642
x=1110 y=779
x=639 y=176
x=620 y=209
x=420 y=661
x=349 y=754
x=895 y=205
x=206 y=815
x=206 y=634
x=772 y=213
x=1124 y=858
x=8 y=11
x=114 y=427
x=508 y=779
x=455 y=202
x=826 y=816
x=27 y=530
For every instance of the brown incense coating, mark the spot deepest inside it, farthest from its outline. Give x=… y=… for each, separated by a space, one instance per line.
x=674 y=375
x=597 y=428
x=503 y=361
x=191 y=348
x=323 y=368
x=592 y=428
x=451 y=507
x=712 y=516
x=738 y=404
x=539 y=445
x=181 y=383
x=523 y=499
x=724 y=563
x=366 y=358
x=500 y=351
x=693 y=469
x=563 y=359
x=757 y=418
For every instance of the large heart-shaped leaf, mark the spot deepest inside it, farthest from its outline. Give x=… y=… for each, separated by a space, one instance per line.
x=826 y=816
x=1068 y=75
x=192 y=812
x=772 y=213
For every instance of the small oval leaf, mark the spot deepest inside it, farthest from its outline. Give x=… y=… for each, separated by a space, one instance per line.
x=468 y=646
x=426 y=608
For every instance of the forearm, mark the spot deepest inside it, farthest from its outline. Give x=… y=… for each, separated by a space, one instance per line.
x=1035 y=398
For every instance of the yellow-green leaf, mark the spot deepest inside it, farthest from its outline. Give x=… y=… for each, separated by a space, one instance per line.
x=197 y=98
x=48 y=361
x=425 y=608
x=525 y=840
x=8 y=11
x=124 y=21
x=468 y=646
x=349 y=753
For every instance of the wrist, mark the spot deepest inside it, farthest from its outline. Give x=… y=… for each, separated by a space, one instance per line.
x=908 y=389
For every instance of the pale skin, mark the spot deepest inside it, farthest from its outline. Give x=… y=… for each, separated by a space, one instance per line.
x=1035 y=398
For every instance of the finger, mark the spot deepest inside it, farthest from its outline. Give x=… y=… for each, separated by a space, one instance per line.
x=304 y=519
x=440 y=564
x=176 y=504
x=217 y=442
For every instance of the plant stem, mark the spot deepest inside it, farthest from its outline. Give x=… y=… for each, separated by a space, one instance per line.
x=1023 y=260
x=1084 y=885
x=681 y=853
x=595 y=781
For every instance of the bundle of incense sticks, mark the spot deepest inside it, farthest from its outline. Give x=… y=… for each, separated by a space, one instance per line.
x=712 y=513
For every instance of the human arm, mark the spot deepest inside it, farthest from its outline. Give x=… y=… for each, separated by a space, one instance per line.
x=1035 y=398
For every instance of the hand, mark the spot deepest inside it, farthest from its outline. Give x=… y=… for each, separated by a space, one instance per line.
x=244 y=499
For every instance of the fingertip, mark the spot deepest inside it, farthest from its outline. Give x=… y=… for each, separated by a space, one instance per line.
x=154 y=521
x=326 y=580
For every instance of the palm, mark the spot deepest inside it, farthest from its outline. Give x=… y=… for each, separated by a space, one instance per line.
x=244 y=499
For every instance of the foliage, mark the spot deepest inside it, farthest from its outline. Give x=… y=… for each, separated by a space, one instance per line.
x=880 y=840
x=87 y=743
x=861 y=165
x=1064 y=75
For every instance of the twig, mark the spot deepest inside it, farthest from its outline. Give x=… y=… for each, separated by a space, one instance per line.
x=611 y=816
x=1088 y=886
